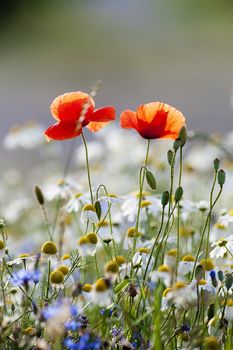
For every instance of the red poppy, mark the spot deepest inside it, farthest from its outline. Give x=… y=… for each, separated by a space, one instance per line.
x=155 y=120
x=73 y=111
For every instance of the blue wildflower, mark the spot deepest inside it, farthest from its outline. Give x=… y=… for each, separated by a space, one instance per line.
x=23 y=277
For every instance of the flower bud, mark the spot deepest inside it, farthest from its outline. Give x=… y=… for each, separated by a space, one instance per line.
x=170 y=155
x=176 y=144
x=165 y=198
x=178 y=194
x=221 y=177
x=220 y=276
x=39 y=195
x=199 y=272
x=211 y=311
x=151 y=180
x=183 y=136
x=228 y=281
x=216 y=164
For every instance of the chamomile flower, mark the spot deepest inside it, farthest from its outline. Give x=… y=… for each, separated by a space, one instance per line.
x=76 y=202
x=87 y=244
x=27 y=136
x=141 y=259
x=102 y=292
x=62 y=188
x=221 y=247
x=163 y=274
x=186 y=265
x=89 y=214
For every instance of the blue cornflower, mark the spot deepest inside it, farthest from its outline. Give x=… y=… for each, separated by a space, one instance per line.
x=84 y=343
x=23 y=277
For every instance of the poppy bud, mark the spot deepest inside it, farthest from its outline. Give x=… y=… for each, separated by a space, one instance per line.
x=220 y=276
x=216 y=164
x=176 y=144
x=221 y=177
x=178 y=194
x=165 y=198
x=39 y=195
x=170 y=155
x=228 y=281
x=151 y=180
x=183 y=136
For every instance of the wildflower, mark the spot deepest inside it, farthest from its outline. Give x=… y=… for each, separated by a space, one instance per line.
x=111 y=270
x=73 y=111
x=141 y=259
x=170 y=258
x=102 y=292
x=154 y=120
x=87 y=244
x=222 y=246
x=61 y=188
x=85 y=342
x=76 y=202
x=23 y=277
x=212 y=343
x=229 y=310
x=182 y=294
x=89 y=213
x=186 y=265
x=27 y=136
x=163 y=274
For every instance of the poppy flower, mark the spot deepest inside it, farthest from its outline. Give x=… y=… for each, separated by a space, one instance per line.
x=73 y=111
x=155 y=120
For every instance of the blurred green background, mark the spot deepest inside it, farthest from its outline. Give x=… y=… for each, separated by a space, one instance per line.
x=176 y=51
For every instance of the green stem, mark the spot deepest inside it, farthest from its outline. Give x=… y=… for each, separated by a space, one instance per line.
x=88 y=167
x=48 y=283
x=141 y=183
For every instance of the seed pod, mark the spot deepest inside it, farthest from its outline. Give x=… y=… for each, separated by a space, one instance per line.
x=221 y=177
x=151 y=180
x=178 y=194
x=39 y=195
x=165 y=198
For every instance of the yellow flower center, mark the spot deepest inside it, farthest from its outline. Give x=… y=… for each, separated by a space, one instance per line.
x=143 y=250
x=120 y=259
x=66 y=257
x=188 y=258
x=172 y=252
x=2 y=245
x=207 y=264
x=23 y=256
x=101 y=285
x=92 y=238
x=145 y=204
x=56 y=277
x=49 y=248
x=90 y=207
x=112 y=267
x=166 y=291
x=64 y=269
x=163 y=268
x=87 y=287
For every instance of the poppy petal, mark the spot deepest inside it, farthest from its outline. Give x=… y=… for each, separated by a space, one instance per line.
x=96 y=126
x=63 y=131
x=104 y=114
x=68 y=107
x=128 y=120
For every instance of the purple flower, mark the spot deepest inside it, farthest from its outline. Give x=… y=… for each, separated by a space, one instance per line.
x=23 y=277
